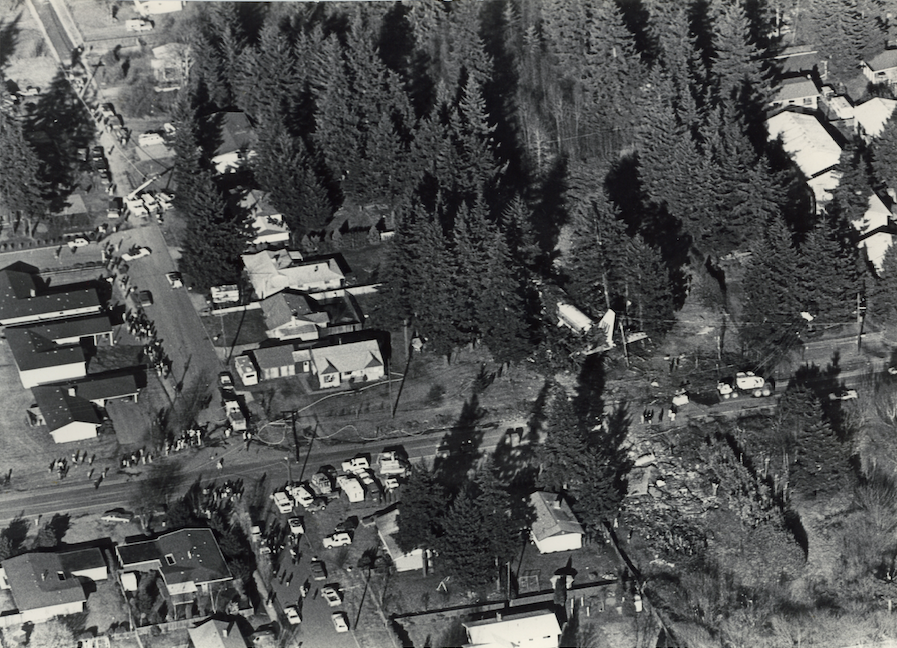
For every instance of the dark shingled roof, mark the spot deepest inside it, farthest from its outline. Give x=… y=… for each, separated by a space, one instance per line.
x=74 y=327
x=82 y=559
x=103 y=387
x=274 y=357
x=883 y=61
x=59 y=408
x=33 y=351
x=20 y=294
x=35 y=583
x=196 y=555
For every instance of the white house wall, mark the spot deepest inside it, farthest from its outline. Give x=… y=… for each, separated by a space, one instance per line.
x=34 y=377
x=560 y=542
x=75 y=431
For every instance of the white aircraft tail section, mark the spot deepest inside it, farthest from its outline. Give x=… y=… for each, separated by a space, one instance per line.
x=606 y=326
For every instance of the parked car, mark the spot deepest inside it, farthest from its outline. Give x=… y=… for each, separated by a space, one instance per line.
x=78 y=241
x=117 y=515
x=339 y=539
x=97 y=153
x=318 y=570
x=136 y=252
x=145 y=298
x=174 y=280
x=296 y=526
x=340 y=622
x=332 y=595
x=226 y=380
x=293 y=615
x=846 y=394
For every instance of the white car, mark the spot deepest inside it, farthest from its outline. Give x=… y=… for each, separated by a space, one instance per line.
x=847 y=394
x=293 y=615
x=78 y=242
x=340 y=622
x=174 y=279
x=282 y=501
x=136 y=252
x=296 y=526
x=332 y=596
x=390 y=483
x=337 y=540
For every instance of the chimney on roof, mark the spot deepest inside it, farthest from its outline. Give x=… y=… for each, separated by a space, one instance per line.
x=556 y=504
x=32 y=292
x=73 y=390
x=44 y=575
x=498 y=616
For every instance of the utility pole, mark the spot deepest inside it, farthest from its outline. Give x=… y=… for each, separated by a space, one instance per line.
x=860 y=312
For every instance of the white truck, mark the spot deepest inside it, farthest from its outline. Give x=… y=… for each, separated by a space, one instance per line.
x=356 y=464
x=747 y=382
x=392 y=464
x=234 y=414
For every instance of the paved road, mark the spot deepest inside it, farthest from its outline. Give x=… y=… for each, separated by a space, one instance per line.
x=56 y=34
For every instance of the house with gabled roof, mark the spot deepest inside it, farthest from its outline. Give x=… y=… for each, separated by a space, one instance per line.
x=41 y=361
x=48 y=584
x=280 y=361
x=387 y=527
x=24 y=298
x=268 y=225
x=536 y=629
x=881 y=68
x=800 y=92
x=272 y=271
x=69 y=416
x=291 y=314
x=238 y=140
x=351 y=362
x=555 y=527
x=189 y=561
x=813 y=149
x=872 y=115
x=214 y=632
x=90 y=328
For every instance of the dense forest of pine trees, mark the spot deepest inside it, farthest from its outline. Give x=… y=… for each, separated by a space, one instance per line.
x=488 y=128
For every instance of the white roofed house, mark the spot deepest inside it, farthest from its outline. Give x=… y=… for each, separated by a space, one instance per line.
x=530 y=629
x=871 y=117
x=555 y=527
x=876 y=231
x=351 y=362
x=267 y=223
x=273 y=271
x=813 y=149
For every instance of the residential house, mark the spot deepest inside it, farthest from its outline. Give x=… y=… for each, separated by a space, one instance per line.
x=813 y=149
x=291 y=314
x=40 y=361
x=872 y=115
x=69 y=416
x=881 y=68
x=24 y=299
x=216 y=633
x=238 y=141
x=92 y=329
x=387 y=526
x=275 y=361
x=876 y=232
x=350 y=362
x=267 y=223
x=555 y=527
x=272 y=271
x=837 y=110
x=101 y=388
x=799 y=92
x=530 y=629
x=156 y=7
x=45 y=585
x=189 y=561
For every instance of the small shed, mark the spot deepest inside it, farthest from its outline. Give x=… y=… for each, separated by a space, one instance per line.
x=555 y=528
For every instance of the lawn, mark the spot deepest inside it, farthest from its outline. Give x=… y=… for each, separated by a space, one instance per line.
x=236 y=329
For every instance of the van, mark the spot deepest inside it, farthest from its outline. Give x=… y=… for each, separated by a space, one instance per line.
x=248 y=374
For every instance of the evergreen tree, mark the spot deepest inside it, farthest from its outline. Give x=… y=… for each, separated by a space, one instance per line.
x=563 y=455
x=465 y=547
x=21 y=189
x=284 y=168
x=422 y=511
x=770 y=316
x=216 y=235
x=267 y=77
x=851 y=197
x=472 y=239
x=502 y=317
x=883 y=293
x=884 y=155
x=736 y=68
x=417 y=281
x=828 y=274
x=649 y=289
x=189 y=159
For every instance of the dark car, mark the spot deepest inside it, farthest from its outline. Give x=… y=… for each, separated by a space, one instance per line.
x=145 y=298
x=97 y=153
x=318 y=570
